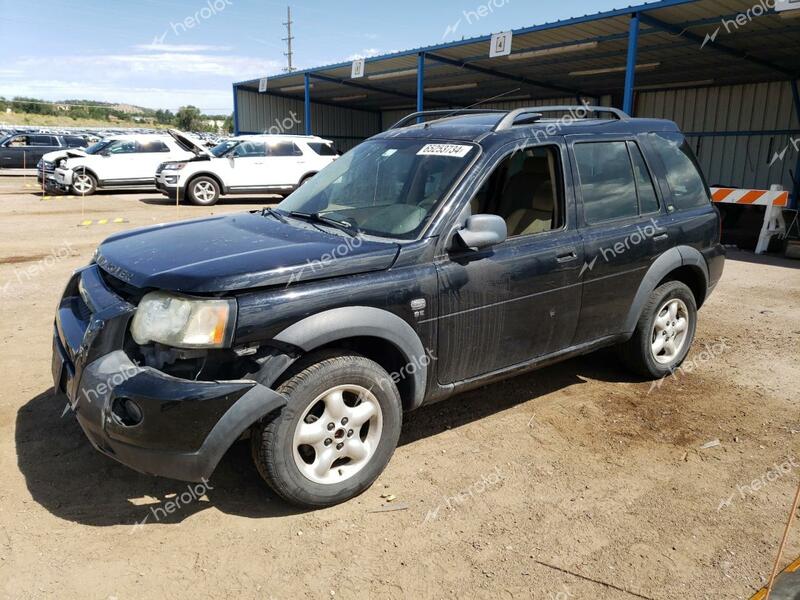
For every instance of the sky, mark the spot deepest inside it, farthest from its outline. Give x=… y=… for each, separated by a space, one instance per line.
x=169 y=53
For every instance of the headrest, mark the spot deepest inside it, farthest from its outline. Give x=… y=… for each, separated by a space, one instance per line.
x=543 y=198
x=534 y=165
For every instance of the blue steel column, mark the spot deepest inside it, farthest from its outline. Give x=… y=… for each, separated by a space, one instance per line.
x=307 y=107
x=420 y=83
x=235 y=111
x=796 y=178
x=630 y=69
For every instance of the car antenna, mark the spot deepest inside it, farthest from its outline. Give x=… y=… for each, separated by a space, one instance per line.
x=478 y=103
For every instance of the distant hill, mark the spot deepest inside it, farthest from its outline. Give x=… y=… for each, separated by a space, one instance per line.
x=21 y=110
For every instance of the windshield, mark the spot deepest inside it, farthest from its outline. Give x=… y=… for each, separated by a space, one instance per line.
x=223 y=147
x=96 y=147
x=386 y=187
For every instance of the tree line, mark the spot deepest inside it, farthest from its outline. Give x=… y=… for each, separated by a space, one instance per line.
x=188 y=118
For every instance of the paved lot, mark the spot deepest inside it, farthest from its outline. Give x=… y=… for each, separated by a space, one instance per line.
x=576 y=481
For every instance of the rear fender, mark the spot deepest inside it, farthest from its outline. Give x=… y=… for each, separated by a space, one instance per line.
x=669 y=261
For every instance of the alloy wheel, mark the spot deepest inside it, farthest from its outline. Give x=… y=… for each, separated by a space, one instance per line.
x=338 y=434
x=670 y=330
x=204 y=191
x=82 y=183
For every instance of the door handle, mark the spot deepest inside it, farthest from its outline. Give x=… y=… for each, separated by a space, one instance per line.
x=566 y=256
x=661 y=237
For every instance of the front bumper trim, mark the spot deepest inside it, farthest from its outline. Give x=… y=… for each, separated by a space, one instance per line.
x=170 y=405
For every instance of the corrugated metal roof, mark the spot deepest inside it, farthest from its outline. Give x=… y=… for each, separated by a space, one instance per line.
x=761 y=47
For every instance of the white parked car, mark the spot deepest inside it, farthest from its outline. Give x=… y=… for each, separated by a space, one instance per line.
x=121 y=161
x=244 y=164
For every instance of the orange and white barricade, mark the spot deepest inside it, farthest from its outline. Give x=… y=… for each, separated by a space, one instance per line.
x=773 y=200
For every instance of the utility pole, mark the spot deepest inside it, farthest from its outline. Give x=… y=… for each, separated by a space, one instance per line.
x=288 y=39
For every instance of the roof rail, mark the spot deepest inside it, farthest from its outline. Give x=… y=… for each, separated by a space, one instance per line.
x=445 y=112
x=577 y=109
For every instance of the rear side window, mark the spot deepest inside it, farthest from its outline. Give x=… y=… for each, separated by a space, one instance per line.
x=153 y=146
x=607 y=184
x=42 y=140
x=682 y=171
x=74 y=141
x=250 y=150
x=322 y=149
x=284 y=149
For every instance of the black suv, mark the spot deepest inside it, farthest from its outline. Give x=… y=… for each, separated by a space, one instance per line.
x=431 y=259
x=23 y=150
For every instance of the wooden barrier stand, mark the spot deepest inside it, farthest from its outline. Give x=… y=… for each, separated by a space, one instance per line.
x=773 y=200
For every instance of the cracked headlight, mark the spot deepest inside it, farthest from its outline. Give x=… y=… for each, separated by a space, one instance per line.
x=184 y=322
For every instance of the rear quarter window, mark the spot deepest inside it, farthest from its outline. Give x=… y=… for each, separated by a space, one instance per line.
x=322 y=149
x=682 y=172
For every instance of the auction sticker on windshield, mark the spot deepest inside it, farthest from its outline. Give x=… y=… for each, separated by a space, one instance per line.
x=457 y=150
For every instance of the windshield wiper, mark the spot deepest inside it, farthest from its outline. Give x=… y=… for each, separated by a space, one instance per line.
x=349 y=229
x=274 y=213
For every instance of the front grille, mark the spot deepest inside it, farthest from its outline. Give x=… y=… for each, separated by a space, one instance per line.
x=126 y=291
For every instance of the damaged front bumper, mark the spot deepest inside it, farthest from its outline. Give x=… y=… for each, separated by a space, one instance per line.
x=146 y=419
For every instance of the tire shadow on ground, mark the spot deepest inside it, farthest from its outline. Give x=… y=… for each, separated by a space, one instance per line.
x=75 y=482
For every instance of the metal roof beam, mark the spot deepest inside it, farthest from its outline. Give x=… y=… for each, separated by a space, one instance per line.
x=371 y=88
x=680 y=31
x=501 y=75
x=322 y=102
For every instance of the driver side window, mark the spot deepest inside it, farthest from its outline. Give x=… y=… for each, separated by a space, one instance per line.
x=250 y=150
x=526 y=190
x=121 y=147
x=18 y=142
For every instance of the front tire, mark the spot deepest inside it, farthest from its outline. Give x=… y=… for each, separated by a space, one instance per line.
x=203 y=191
x=664 y=333
x=336 y=434
x=83 y=183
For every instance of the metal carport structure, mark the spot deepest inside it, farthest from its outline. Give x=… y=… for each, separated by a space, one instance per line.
x=726 y=70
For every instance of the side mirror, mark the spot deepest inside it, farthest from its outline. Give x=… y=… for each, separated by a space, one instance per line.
x=482 y=231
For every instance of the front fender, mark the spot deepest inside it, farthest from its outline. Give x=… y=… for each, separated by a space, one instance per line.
x=363 y=321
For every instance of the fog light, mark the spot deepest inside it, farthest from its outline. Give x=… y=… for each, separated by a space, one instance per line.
x=126 y=412
x=171 y=179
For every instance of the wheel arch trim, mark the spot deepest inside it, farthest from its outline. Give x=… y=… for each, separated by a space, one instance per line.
x=363 y=321
x=669 y=261
x=223 y=189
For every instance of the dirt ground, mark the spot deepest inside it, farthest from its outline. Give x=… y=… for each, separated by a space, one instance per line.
x=572 y=482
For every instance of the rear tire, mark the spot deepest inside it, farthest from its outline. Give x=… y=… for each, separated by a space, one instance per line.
x=664 y=333
x=335 y=435
x=83 y=183
x=203 y=191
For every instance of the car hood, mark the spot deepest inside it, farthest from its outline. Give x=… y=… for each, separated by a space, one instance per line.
x=236 y=252
x=59 y=154
x=194 y=145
